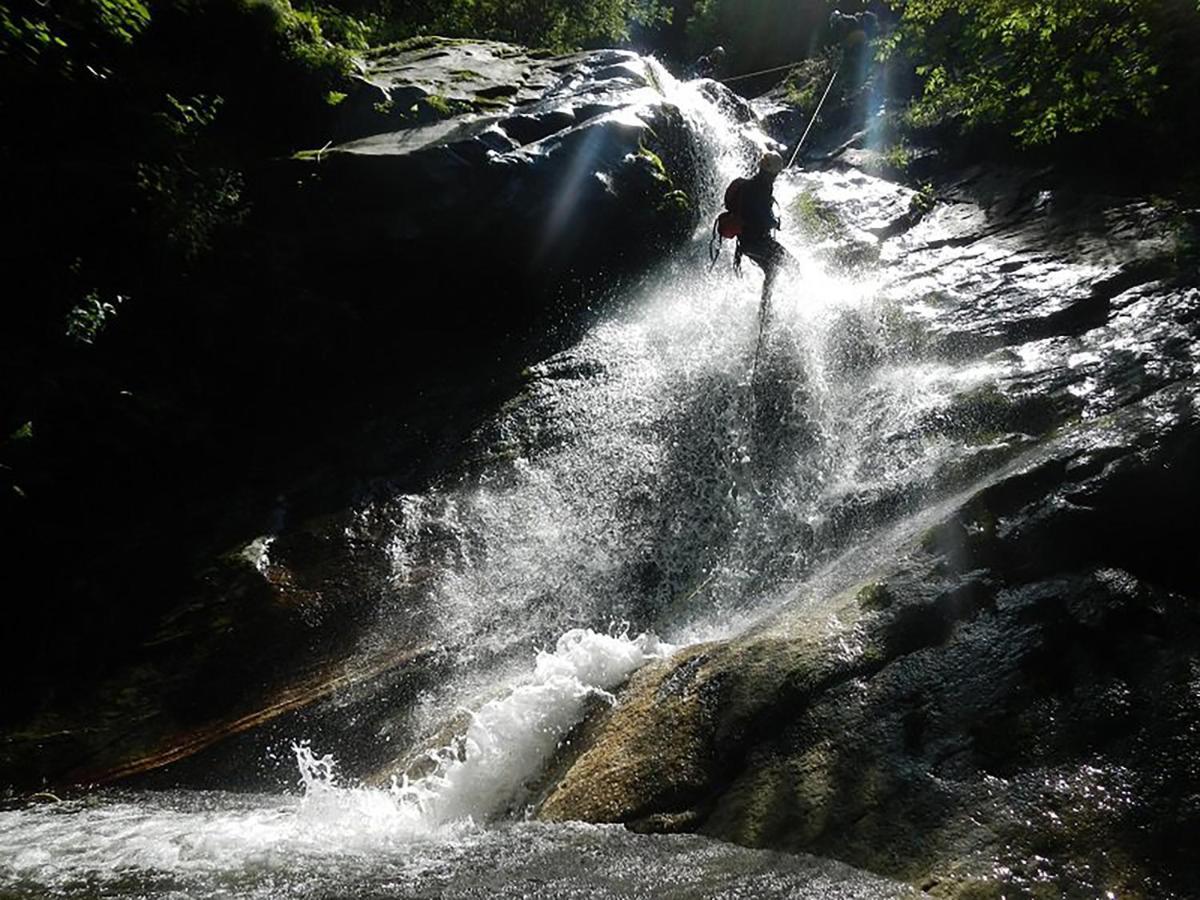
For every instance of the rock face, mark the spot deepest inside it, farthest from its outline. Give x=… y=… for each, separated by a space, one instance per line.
x=486 y=164
x=1009 y=704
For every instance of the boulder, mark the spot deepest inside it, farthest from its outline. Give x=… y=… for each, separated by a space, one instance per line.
x=489 y=165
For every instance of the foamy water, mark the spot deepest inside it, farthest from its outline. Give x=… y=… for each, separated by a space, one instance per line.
x=479 y=776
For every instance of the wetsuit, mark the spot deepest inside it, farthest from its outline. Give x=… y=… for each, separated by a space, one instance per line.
x=757 y=205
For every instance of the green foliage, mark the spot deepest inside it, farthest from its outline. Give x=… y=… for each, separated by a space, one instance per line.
x=86 y=320
x=186 y=196
x=923 y=201
x=69 y=38
x=1041 y=69
x=555 y=24
x=898 y=157
x=339 y=27
x=806 y=83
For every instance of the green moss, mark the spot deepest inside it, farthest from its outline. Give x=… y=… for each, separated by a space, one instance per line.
x=443 y=107
x=874 y=656
x=817 y=219
x=678 y=200
x=439 y=104
x=486 y=103
x=413 y=44
x=898 y=157
x=460 y=75
x=874 y=596
x=654 y=159
x=653 y=76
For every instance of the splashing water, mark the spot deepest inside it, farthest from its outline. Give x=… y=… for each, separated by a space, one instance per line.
x=507 y=742
x=479 y=775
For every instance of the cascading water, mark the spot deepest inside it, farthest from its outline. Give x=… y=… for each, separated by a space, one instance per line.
x=640 y=478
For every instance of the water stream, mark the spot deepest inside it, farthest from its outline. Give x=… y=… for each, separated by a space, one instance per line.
x=640 y=493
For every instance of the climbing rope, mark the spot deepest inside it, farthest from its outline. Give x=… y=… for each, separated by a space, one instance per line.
x=813 y=118
x=764 y=313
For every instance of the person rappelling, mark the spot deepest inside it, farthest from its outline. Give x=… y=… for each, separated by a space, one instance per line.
x=754 y=199
x=750 y=219
x=749 y=215
x=709 y=65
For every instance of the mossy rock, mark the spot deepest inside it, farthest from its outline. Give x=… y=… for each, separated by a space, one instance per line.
x=874 y=596
x=817 y=219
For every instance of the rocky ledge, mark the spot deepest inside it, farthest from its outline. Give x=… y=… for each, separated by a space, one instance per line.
x=468 y=165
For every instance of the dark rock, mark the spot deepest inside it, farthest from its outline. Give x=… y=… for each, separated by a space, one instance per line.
x=529 y=129
x=587 y=200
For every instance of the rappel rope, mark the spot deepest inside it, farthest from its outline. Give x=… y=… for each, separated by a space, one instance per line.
x=765 y=309
x=812 y=120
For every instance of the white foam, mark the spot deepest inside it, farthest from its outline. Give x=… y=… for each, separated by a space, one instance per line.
x=484 y=773
x=509 y=740
x=479 y=777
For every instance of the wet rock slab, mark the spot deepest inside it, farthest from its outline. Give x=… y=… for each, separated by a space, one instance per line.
x=1009 y=705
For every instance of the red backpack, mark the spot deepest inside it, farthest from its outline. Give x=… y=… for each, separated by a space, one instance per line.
x=729 y=223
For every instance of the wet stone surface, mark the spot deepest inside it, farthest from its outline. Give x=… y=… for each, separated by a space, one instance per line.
x=999 y=698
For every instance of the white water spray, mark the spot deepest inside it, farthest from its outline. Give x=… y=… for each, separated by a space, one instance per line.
x=484 y=772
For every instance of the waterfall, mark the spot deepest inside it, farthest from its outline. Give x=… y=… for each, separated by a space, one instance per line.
x=641 y=478
x=639 y=493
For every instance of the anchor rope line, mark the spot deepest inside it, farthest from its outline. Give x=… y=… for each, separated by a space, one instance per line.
x=760 y=72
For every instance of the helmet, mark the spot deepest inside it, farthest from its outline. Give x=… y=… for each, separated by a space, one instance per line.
x=771 y=163
x=717 y=52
